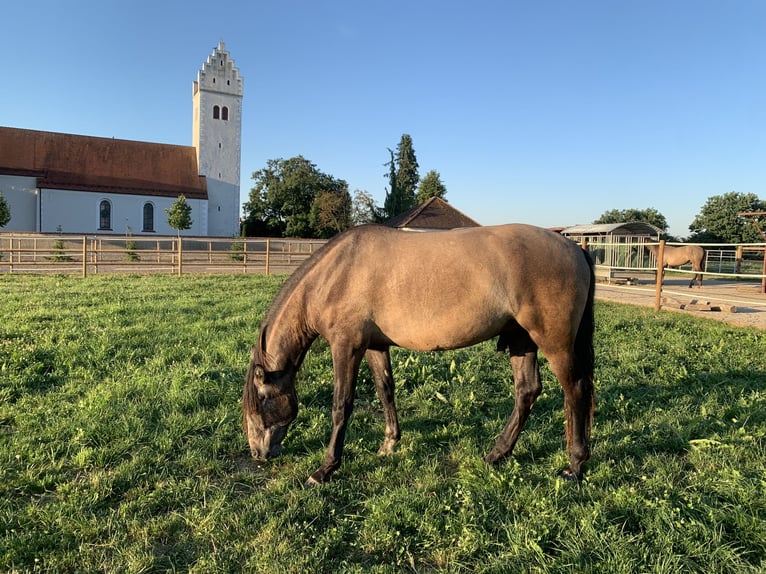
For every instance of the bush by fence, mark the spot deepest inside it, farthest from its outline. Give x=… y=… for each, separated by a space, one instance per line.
x=84 y=254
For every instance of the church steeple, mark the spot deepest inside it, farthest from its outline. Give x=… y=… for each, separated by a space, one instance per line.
x=217 y=125
x=217 y=137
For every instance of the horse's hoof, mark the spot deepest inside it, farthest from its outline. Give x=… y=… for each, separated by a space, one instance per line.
x=311 y=483
x=387 y=448
x=317 y=479
x=567 y=474
x=494 y=458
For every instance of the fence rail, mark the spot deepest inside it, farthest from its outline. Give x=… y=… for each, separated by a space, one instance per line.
x=85 y=254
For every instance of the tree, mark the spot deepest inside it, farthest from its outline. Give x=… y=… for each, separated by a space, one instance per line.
x=364 y=210
x=648 y=215
x=719 y=222
x=331 y=213
x=282 y=201
x=407 y=176
x=5 y=211
x=394 y=203
x=431 y=186
x=402 y=179
x=179 y=215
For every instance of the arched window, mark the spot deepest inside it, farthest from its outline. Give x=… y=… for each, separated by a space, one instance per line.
x=216 y=112
x=225 y=113
x=105 y=215
x=148 y=217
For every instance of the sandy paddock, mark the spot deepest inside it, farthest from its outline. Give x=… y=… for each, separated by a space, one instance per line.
x=746 y=299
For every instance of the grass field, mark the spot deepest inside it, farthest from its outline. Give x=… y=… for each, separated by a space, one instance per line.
x=121 y=448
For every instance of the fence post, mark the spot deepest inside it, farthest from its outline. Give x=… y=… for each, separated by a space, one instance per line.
x=180 y=255
x=84 y=256
x=244 y=255
x=268 y=252
x=10 y=255
x=660 y=275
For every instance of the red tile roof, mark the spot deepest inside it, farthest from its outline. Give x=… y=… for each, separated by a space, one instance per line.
x=66 y=161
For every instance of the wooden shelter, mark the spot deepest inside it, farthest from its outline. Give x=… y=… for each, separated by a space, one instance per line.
x=617 y=248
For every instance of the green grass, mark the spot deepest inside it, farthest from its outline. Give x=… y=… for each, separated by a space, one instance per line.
x=121 y=447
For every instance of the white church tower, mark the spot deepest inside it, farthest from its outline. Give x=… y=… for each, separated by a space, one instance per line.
x=217 y=137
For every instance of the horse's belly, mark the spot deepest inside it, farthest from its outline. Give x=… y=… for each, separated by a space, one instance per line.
x=430 y=333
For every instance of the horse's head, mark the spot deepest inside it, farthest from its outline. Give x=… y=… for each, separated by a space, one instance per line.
x=269 y=405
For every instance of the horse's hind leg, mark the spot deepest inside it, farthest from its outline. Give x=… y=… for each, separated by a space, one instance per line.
x=527 y=387
x=578 y=404
x=380 y=366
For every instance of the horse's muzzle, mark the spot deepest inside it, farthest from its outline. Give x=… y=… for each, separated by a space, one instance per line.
x=265 y=454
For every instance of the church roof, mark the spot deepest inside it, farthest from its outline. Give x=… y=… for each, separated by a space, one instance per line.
x=434 y=213
x=66 y=161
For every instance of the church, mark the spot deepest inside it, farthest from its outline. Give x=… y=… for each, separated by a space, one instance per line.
x=55 y=182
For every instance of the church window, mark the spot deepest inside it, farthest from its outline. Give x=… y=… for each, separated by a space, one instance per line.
x=216 y=112
x=148 y=217
x=225 y=113
x=105 y=215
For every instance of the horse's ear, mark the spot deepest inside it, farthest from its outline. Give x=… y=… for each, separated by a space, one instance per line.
x=262 y=340
x=256 y=373
x=259 y=349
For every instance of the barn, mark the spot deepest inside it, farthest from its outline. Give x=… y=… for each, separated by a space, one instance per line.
x=616 y=248
x=432 y=215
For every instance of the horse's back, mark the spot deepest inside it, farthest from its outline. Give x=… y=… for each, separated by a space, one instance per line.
x=447 y=289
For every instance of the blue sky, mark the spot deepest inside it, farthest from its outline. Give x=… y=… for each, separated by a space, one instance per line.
x=547 y=112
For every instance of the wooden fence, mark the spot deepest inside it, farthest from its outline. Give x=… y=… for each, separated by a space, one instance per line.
x=621 y=263
x=86 y=254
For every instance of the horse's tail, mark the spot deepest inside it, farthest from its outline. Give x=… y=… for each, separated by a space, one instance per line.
x=585 y=356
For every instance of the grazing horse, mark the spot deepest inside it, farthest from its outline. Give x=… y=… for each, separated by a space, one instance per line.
x=373 y=287
x=681 y=255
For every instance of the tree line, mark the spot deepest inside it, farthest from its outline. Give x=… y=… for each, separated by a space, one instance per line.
x=717 y=222
x=293 y=198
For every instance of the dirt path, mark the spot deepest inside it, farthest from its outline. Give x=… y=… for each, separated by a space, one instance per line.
x=746 y=298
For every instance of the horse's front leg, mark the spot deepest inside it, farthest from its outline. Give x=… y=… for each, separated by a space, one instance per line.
x=380 y=366
x=527 y=385
x=346 y=368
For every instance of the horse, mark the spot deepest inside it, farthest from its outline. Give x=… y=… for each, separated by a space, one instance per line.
x=374 y=287
x=681 y=255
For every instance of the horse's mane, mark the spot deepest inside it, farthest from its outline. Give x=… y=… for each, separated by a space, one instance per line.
x=295 y=279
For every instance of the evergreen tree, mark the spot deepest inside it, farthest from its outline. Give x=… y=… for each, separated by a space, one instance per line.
x=179 y=215
x=431 y=186
x=407 y=176
x=393 y=204
x=5 y=212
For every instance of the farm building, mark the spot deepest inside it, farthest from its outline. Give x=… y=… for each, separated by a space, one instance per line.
x=82 y=184
x=432 y=215
x=616 y=247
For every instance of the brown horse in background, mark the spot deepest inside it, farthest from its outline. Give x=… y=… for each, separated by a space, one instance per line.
x=675 y=256
x=373 y=287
